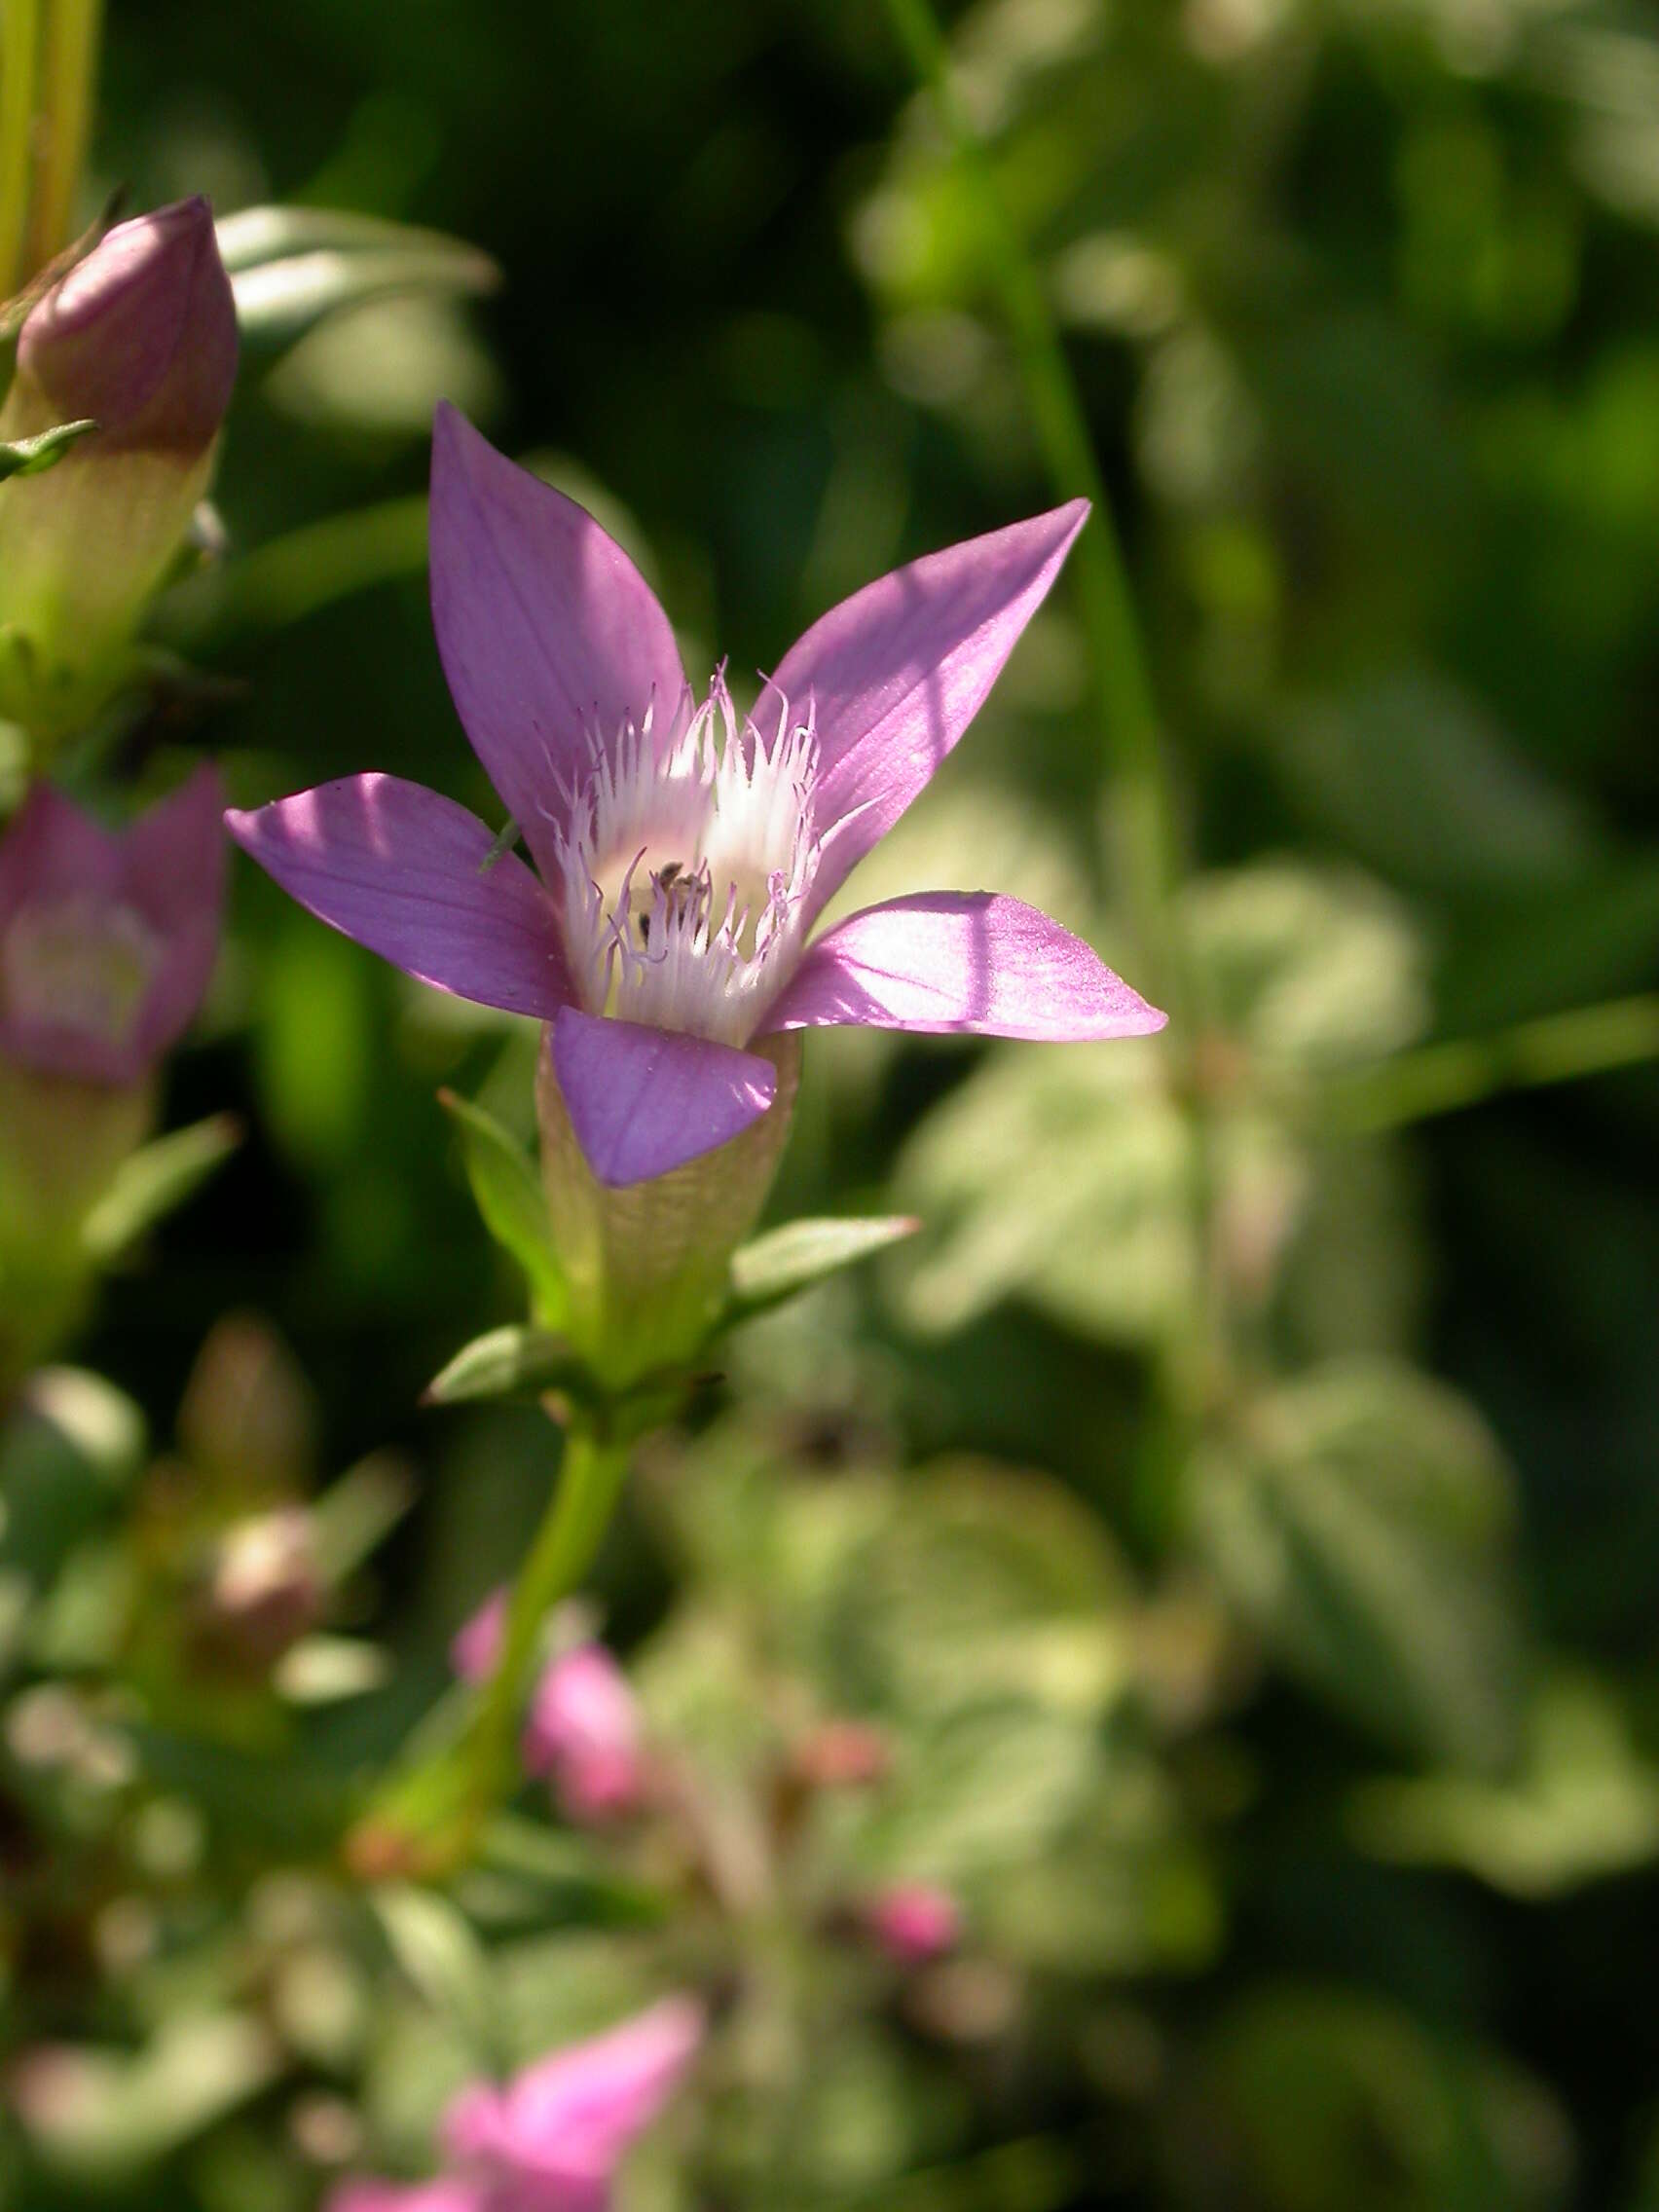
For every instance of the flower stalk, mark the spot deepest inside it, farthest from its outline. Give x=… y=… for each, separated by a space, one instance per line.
x=434 y=1817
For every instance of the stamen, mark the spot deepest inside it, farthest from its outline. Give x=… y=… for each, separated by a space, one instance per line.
x=721 y=821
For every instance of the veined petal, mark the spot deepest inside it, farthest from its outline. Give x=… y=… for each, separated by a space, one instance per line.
x=961 y=961
x=642 y=1101
x=899 y=671
x=546 y=628
x=409 y=873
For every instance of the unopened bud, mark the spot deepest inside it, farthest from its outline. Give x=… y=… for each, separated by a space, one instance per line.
x=914 y=1922
x=140 y=337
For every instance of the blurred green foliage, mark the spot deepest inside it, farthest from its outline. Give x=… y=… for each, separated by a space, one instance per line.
x=1235 y=1511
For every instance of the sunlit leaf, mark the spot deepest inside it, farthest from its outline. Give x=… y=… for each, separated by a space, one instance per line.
x=800 y=1253
x=511 y=1362
x=1361 y=1519
x=1582 y=1804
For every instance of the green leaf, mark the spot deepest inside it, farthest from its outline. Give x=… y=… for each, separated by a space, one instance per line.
x=792 y=1258
x=1361 y=1519
x=1582 y=1804
x=511 y=1362
x=435 y=1945
x=31 y=456
x=509 y=1196
x=288 y=275
x=154 y=1181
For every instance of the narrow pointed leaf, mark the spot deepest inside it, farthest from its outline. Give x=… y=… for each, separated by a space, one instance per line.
x=354 y=1515
x=513 y=1362
x=28 y=456
x=508 y=1193
x=786 y=1260
x=155 y=1181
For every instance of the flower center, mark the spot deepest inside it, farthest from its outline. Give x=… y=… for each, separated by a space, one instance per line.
x=79 y=965
x=684 y=865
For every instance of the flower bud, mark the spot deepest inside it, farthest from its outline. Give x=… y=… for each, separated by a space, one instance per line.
x=140 y=337
x=914 y=1922
x=646 y=1263
x=583 y=1731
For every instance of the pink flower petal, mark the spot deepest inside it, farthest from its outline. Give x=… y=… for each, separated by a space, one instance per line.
x=565 y=2124
x=961 y=961
x=643 y=1101
x=447 y=2193
x=546 y=628
x=402 y=870
x=899 y=671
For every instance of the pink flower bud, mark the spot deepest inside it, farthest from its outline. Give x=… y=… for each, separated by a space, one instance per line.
x=583 y=1731
x=141 y=338
x=914 y=1922
x=141 y=335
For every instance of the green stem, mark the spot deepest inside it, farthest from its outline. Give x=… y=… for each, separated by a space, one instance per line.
x=570 y=1534
x=69 y=80
x=1441 y=1079
x=1146 y=814
x=19 y=44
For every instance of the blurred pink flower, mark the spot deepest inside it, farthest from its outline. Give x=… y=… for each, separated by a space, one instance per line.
x=551 y=2138
x=583 y=1731
x=914 y=1922
x=107 y=937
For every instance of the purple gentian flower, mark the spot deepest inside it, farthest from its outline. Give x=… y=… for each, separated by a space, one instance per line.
x=551 y=2138
x=680 y=861
x=583 y=1731
x=107 y=938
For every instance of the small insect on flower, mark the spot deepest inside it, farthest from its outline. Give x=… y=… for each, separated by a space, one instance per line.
x=683 y=857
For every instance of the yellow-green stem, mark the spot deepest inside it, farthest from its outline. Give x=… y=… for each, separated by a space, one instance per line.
x=68 y=83
x=20 y=58
x=1441 y=1079
x=570 y=1534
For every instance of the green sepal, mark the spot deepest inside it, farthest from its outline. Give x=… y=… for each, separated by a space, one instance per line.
x=508 y=1193
x=33 y=456
x=517 y=1361
x=155 y=1180
x=790 y=1258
